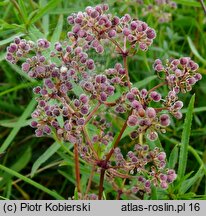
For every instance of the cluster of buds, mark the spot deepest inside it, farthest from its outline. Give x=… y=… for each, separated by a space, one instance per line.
x=96 y=24
x=18 y=49
x=159 y=9
x=64 y=112
x=146 y=119
x=137 y=161
x=180 y=74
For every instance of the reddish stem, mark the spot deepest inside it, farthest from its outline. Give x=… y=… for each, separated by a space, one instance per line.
x=101 y=183
x=90 y=180
x=203 y=5
x=157 y=86
x=92 y=112
x=126 y=70
x=77 y=168
x=90 y=143
x=118 y=138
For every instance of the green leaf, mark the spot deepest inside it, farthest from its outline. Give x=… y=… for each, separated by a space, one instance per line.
x=10 y=39
x=23 y=10
x=154 y=193
x=19 y=71
x=196 y=110
x=77 y=89
x=35 y=33
x=31 y=182
x=5 y=2
x=45 y=18
x=19 y=164
x=60 y=120
x=44 y=157
x=57 y=31
x=21 y=86
x=2 y=56
x=173 y=157
x=188 y=3
x=52 y=4
x=16 y=129
x=145 y=81
x=194 y=50
x=185 y=139
x=190 y=182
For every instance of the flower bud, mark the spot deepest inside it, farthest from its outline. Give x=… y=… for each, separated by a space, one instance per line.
x=132 y=120
x=164 y=120
x=150 y=112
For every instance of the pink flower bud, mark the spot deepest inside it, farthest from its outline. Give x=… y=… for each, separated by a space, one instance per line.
x=164 y=120
x=112 y=33
x=152 y=135
x=132 y=120
x=150 y=112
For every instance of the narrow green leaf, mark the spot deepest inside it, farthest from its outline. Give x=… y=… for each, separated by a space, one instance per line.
x=173 y=159
x=188 y=3
x=23 y=10
x=194 y=50
x=31 y=182
x=52 y=4
x=16 y=129
x=189 y=182
x=3 y=198
x=19 y=71
x=185 y=139
x=2 y=56
x=5 y=2
x=12 y=124
x=10 y=39
x=154 y=195
x=18 y=165
x=77 y=89
x=21 y=86
x=45 y=18
x=44 y=157
x=196 y=110
x=145 y=81
x=57 y=31
x=35 y=33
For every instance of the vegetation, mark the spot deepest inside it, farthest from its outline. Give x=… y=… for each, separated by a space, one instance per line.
x=44 y=167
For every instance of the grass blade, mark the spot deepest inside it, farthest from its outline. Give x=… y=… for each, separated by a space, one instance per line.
x=185 y=139
x=52 y=4
x=16 y=129
x=57 y=31
x=10 y=39
x=189 y=182
x=31 y=182
x=44 y=157
x=21 y=86
x=145 y=81
x=173 y=157
x=192 y=3
x=194 y=50
x=19 y=164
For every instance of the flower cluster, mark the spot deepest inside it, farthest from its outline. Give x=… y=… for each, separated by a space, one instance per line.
x=159 y=9
x=181 y=74
x=75 y=97
x=137 y=162
x=95 y=24
x=18 y=49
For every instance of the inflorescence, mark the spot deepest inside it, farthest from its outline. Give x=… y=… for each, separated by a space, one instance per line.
x=65 y=112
